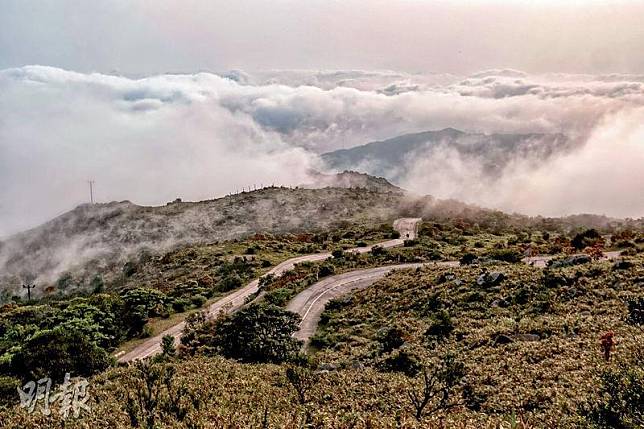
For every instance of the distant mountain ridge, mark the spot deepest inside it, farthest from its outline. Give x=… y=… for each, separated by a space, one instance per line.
x=387 y=158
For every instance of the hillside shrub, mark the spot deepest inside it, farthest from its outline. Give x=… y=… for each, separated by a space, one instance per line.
x=257 y=333
x=585 y=239
x=441 y=326
x=621 y=398
x=279 y=296
x=390 y=339
x=52 y=353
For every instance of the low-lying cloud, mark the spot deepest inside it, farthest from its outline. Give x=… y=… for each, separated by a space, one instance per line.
x=603 y=175
x=204 y=135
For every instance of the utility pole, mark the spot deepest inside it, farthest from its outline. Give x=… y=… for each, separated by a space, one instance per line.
x=29 y=287
x=91 y=191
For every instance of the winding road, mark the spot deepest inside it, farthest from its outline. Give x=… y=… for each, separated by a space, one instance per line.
x=310 y=303
x=407 y=227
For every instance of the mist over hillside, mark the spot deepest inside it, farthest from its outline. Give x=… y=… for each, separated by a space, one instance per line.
x=105 y=235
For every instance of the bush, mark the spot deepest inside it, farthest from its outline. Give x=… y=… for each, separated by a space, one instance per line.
x=326 y=270
x=97 y=284
x=198 y=301
x=507 y=255
x=179 y=305
x=151 y=396
x=623 y=244
x=8 y=386
x=64 y=281
x=378 y=250
x=230 y=282
x=390 y=339
x=279 y=297
x=585 y=239
x=302 y=380
x=52 y=353
x=467 y=259
x=146 y=332
x=621 y=398
x=402 y=361
x=440 y=388
x=139 y=305
x=395 y=235
x=337 y=253
x=258 y=333
x=441 y=326
x=167 y=346
x=636 y=311
x=129 y=269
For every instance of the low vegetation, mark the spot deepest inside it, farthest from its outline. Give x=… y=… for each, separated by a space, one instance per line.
x=529 y=340
x=490 y=343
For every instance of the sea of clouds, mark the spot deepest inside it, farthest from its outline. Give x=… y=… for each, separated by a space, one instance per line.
x=199 y=136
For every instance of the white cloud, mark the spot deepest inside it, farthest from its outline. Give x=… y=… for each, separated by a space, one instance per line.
x=149 y=141
x=202 y=135
x=603 y=176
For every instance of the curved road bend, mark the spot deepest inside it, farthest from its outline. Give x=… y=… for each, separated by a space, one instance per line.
x=407 y=227
x=310 y=303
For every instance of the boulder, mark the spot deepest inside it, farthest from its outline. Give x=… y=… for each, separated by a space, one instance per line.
x=570 y=261
x=490 y=279
x=526 y=337
x=327 y=367
x=622 y=264
x=503 y=339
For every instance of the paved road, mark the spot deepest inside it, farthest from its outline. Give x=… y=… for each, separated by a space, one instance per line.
x=407 y=227
x=310 y=303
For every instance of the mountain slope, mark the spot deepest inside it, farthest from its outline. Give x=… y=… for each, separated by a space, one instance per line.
x=387 y=158
x=105 y=233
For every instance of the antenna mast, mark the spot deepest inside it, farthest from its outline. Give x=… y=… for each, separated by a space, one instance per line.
x=29 y=287
x=91 y=191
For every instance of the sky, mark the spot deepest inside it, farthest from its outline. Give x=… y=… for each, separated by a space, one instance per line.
x=142 y=37
x=155 y=100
